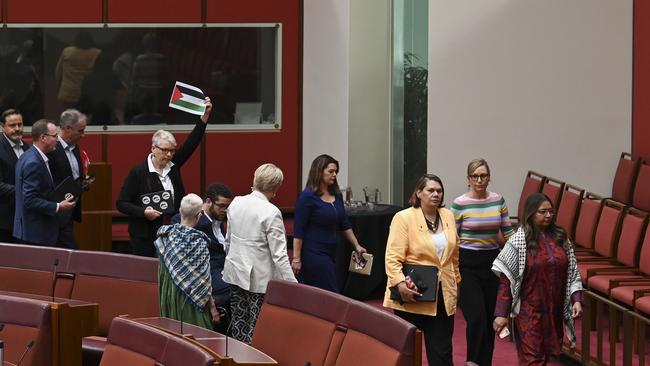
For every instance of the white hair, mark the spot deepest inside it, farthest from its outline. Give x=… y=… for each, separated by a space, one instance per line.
x=267 y=178
x=161 y=135
x=191 y=205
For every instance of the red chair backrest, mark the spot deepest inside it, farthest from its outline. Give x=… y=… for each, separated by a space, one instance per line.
x=567 y=210
x=532 y=184
x=641 y=197
x=625 y=177
x=608 y=229
x=644 y=255
x=629 y=242
x=553 y=188
x=587 y=220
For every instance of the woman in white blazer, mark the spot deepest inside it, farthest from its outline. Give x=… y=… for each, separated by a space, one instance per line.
x=256 y=248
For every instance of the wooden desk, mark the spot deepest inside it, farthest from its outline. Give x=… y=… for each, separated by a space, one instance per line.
x=71 y=321
x=239 y=353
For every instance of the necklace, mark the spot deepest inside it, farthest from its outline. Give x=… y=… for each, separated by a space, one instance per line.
x=433 y=226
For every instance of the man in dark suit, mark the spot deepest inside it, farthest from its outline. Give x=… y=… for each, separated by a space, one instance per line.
x=12 y=147
x=65 y=162
x=213 y=223
x=35 y=221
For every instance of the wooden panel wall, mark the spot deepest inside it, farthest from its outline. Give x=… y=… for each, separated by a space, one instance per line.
x=231 y=157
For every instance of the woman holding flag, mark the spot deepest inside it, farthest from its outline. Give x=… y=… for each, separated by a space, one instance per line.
x=160 y=172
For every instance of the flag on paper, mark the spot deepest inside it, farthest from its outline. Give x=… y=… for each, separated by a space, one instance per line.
x=187 y=98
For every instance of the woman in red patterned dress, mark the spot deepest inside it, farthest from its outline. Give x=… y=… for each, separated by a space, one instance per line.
x=540 y=285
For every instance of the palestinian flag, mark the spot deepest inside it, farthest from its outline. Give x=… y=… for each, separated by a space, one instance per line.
x=188 y=98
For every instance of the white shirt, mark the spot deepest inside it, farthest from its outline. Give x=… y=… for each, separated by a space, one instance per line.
x=69 y=153
x=440 y=240
x=18 y=148
x=165 y=180
x=47 y=165
x=216 y=229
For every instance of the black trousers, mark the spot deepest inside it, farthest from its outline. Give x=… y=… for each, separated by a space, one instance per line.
x=438 y=331
x=67 y=239
x=143 y=247
x=478 y=294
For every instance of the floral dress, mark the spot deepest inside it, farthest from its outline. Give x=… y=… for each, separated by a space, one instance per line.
x=538 y=327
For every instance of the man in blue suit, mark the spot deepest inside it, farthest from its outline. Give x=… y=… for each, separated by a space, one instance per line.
x=35 y=220
x=213 y=223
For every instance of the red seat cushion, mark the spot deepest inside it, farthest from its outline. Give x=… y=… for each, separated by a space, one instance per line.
x=625 y=294
x=643 y=304
x=583 y=267
x=600 y=283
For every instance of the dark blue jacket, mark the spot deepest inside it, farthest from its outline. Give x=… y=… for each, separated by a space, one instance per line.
x=35 y=219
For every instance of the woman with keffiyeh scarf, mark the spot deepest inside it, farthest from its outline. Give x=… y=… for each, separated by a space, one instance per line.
x=540 y=285
x=184 y=269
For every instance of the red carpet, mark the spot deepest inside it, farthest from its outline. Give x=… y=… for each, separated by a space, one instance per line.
x=504 y=351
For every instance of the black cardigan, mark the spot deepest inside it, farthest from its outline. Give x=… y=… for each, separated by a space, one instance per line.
x=141 y=181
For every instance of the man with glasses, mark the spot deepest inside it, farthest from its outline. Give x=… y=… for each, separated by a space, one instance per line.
x=213 y=223
x=65 y=161
x=12 y=147
x=35 y=221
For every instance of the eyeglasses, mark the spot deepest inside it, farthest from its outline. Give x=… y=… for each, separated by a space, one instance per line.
x=546 y=211
x=55 y=135
x=166 y=151
x=476 y=177
x=222 y=205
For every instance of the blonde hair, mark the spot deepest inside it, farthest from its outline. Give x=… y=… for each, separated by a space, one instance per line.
x=267 y=178
x=191 y=205
x=475 y=164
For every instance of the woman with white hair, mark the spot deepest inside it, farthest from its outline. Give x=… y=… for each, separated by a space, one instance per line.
x=184 y=268
x=257 y=250
x=160 y=171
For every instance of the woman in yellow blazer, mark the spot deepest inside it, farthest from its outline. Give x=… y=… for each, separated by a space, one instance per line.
x=426 y=234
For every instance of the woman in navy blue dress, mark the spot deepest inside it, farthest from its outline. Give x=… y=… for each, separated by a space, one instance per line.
x=320 y=217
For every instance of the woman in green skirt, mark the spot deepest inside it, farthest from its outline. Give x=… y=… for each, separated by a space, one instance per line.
x=184 y=268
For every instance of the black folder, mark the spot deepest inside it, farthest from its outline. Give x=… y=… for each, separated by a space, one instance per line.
x=425 y=278
x=160 y=201
x=67 y=188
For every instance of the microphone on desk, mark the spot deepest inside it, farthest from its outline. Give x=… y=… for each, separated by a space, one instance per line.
x=30 y=344
x=228 y=327
x=54 y=274
x=180 y=316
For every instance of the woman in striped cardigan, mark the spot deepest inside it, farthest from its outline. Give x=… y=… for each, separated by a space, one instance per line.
x=482 y=222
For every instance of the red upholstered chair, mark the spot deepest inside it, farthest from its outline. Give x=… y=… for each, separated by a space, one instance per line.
x=622 y=288
x=641 y=195
x=300 y=323
x=625 y=178
x=532 y=184
x=642 y=304
x=384 y=338
x=553 y=188
x=627 y=254
x=567 y=210
x=121 y=284
x=590 y=208
x=29 y=269
x=605 y=239
x=136 y=344
x=26 y=320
